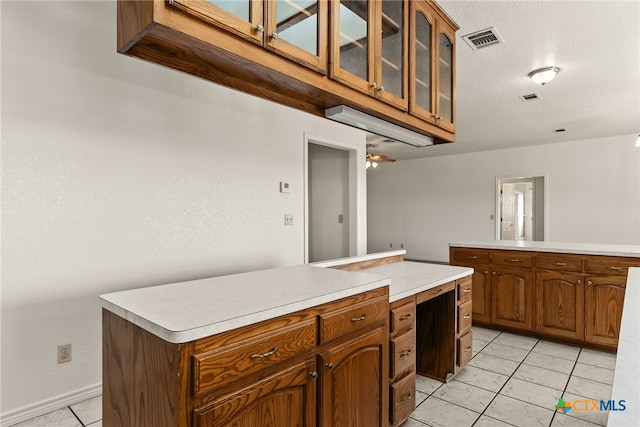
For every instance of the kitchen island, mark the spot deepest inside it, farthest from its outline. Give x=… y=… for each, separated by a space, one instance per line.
x=282 y=343
x=572 y=292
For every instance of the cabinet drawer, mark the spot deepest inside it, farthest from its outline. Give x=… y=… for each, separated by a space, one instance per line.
x=466 y=256
x=435 y=292
x=403 y=317
x=615 y=266
x=465 y=347
x=347 y=320
x=464 y=316
x=559 y=262
x=251 y=355
x=403 y=399
x=403 y=354
x=512 y=258
x=464 y=289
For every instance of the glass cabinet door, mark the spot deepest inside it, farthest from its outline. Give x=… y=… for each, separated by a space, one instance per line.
x=298 y=29
x=445 y=80
x=392 y=65
x=352 y=54
x=422 y=100
x=241 y=17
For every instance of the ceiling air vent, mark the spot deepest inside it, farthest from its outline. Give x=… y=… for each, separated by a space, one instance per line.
x=530 y=97
x=483 y=38
x=560 y=130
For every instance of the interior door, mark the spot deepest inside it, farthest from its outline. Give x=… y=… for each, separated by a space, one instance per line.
x=508 y=211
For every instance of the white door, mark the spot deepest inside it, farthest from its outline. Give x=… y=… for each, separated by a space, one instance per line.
x=508 y=212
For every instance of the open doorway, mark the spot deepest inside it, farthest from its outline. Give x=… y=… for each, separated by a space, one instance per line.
x=521 y=208
x=335 y=198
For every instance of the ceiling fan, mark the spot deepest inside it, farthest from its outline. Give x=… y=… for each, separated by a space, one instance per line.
x=373 y=160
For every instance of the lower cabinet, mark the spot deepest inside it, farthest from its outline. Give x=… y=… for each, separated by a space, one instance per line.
x=353 y=382
x=402 y=360
x=604 y=296
x=286 y=399
x=324 y=366
x=511 y=297
x=559 y=304
x=571 y=297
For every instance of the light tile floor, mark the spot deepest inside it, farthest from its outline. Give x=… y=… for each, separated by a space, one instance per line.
x=512 y=380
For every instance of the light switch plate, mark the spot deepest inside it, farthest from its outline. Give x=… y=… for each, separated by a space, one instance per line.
x=285 y=187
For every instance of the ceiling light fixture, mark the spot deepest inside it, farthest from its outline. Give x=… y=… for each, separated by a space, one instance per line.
x=349 y=116
x=542 y=76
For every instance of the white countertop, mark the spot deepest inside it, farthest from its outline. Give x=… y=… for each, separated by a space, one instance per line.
x=560 y=247
x=626 y=378
x=186 y=311
x=358 y=258
x=410 y=278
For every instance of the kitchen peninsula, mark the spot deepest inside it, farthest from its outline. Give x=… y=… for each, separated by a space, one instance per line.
x=572 y=292
x=284 y=343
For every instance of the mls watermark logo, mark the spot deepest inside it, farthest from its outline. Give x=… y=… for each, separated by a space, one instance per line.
x=587 y=405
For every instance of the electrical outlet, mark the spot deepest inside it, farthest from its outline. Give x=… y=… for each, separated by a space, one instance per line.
x=288 y=219
x=64 y=353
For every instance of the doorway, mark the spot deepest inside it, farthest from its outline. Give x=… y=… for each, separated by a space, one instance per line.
x=328 y=199
x=521 y=208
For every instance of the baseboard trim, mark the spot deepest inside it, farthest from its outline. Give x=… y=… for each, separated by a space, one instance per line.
x=49 y=405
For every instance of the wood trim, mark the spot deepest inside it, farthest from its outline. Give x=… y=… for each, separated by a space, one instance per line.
x=361 y=265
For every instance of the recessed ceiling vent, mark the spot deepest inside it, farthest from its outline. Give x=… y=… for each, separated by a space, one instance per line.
x=559 y=130
x=483 y=38
x=530 y=97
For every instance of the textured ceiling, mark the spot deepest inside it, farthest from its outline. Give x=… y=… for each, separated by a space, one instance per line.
x=596 y=44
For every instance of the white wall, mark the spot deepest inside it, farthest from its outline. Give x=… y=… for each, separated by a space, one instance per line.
x=117 y=174
x=593 y=195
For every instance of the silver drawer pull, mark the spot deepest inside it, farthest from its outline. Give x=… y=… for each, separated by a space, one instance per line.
x=615 y=268
x=265 y=355
x=406 y=354
x=466 y=290
x=358 y=319
x=561 y=264
x=406 y=397
x=514 y=260
x=468 y=316
x=313 y=375
x=405 y=317
x=438 y=291
x=472 y=257
x=467 y=350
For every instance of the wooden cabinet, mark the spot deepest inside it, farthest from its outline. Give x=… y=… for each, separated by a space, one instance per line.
x=559 y=304
x=402 y=352
x=512 y=297
x=432 y=53
x=464 y=318
x=571 y=297
x=353 y=382
x=281 y=372
x=369 y=45
x=310 y=55
x=604 y=296
x=296 y=30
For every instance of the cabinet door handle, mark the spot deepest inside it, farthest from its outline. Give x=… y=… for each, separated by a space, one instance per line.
x=259 y=28
x=561 y=264
x=313 y=375
x=468 y=316
x=514 y=260
x=615 y=268
x=329 y=366
x=274 y=35
x=466 y=290
x=579 y=281
x=405 y=317
x=589 y=282
x=373 y=85
x=467 y=350
x=472 y=257
x=406 y=354
x=406 y=397
x=265 y=355
x=358 y=319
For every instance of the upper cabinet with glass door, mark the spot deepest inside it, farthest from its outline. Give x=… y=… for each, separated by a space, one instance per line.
x=296 y=29
x=369 y=47
x=432 y=77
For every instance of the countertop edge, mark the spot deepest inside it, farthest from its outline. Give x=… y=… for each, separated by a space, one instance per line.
x=557 y=247
x=425 y=287
x=358 y=258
